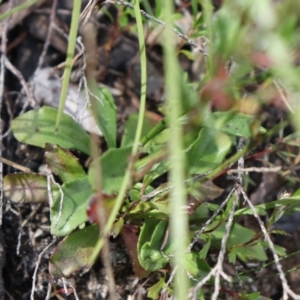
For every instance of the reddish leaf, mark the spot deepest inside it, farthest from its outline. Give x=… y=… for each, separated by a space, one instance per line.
x=205 y=192
x=261 y=60
x=63 y=163
x=193 y=204
x=100 y=207
x=130 y=239
x=215 y=91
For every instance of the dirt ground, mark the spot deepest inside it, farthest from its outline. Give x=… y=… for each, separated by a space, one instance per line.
x=26 y=227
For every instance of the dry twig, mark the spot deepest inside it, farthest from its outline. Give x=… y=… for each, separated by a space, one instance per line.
x=286 y=289
x=37 y=266
x=87 y=12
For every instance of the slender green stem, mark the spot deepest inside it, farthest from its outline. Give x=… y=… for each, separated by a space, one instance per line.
x=208 y=10
x=17 y=9
x=143 y=60
x=158 y=128
x=70 y=55
x=138 y=134
x=179 y=221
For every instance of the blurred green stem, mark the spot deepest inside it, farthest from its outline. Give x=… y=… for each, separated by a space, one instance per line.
x=70 y=55
x=179 y=222
x=17 y=9
x=126 y=179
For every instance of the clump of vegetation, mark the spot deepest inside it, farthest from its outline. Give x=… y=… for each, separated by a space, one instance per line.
x=184 y=225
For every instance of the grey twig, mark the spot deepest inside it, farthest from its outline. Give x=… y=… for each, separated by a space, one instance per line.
x=286 y=289
x=48 y=37
x=37 y=266
x=18 y=74
x=255 y=169
x=217 y=271
x=160 y=22
x=209 y=221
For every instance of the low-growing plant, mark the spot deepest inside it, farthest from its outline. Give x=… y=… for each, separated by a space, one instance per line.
x=194 y=144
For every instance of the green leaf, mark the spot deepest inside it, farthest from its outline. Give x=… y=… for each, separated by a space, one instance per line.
x=37 y=127
x=117 y=227
x=195 y=266
x=253 y=296
x=123 y=20
x=208 y=151
x=26 y=188
x=228 y=209
x=238 y=235
x=113 y=164
x=280 y=250
x=63 y=163
x=297 y=193
x=145 y=210
x=232 y=255
x=232 y=123
x=261 y=208
x=262 y=298
x=190 y=263
x=199 y=21
x=248 y=211
x=106 y=116
x=161 y=206
x=204 y=250
x=279 y=232
x=135 y=193
x=229 y=34
x=158 y=170
x=130 y=129
x=154 y=291
x=256 y=251
x=157 y=138
x=277 y=213
x=76 y=195
x=149 y=245
x=73 y=253
x=190 y=55
x=212 y=206
x=158 y=8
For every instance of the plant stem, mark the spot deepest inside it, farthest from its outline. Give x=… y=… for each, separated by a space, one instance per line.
x=179 y=222
x=126 y=179
x=17 y=9
x=70 y=55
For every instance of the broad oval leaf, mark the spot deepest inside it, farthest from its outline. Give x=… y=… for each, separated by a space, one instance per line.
x=106 y=115
x=232 y=123
x=239 y=235
x=113 y=164
x=63 y=163
x=208 y=151
x=76 y=195
x=73 y=253
x=37 y=127
x=130 y=129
